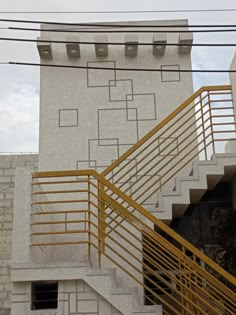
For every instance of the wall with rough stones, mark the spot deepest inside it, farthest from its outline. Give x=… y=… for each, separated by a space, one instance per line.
x=75 y=297
x=8 y=164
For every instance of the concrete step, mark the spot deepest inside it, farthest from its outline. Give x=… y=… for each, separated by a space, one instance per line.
x=204 y=175
x=125 y=300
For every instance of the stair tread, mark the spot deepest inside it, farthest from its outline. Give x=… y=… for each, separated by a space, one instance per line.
x=115 y=295
x=202 y=172
x=103 y=272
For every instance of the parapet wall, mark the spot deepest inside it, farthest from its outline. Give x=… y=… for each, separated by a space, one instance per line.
x=8 y=164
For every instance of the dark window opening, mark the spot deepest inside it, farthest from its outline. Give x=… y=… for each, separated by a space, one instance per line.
x=44 y=295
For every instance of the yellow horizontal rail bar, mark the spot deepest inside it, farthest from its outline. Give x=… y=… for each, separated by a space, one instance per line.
x=59 y=212
x=61 y=182
x=184 y=273
x=163 y=123
x=190 y=265
x=59 y=222
x=59 y=192
x=170 y=246
x=60 y=232
x=50 y=202
x=143 y=211
x=60 y=243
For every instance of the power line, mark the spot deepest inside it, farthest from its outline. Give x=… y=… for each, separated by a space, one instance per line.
x=120 y=25
x=119 y=68
x=121 y=12
x=29 y=40
x=118 y=31
x=228 y=27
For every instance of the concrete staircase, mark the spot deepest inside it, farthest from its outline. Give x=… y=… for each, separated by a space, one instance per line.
x=125 y=300
x=205 y=175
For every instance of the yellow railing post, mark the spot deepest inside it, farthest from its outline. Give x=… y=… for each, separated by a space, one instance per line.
x=192 y=131
x=89 y=218
x=211 y=122
x=114 y=222
x=101 y=223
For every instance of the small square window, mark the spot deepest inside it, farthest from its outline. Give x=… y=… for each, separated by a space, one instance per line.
x=44 y=295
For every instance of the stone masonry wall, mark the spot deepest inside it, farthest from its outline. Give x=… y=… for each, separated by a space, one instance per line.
x=79 y=298
x=8 y=163
x=75 y=297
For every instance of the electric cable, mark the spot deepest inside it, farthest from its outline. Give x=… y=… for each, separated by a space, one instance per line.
x=119 y=31
x=119 y=68
x=122 y=11
x=226 y=27
x=113 y=43
x=113 y=25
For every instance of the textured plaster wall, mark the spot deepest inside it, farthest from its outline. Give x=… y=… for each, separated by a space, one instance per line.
x=88 y=118
x=75 y=298
x=7 y=184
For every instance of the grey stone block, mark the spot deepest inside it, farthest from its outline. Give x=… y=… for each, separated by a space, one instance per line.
x=185 y=42
x=73 y=49
x=159 y=44
x=5 y=162
x=101 y=48
x=131 y=45
x=6 y=311
x=45 y=50
x=5 y=179
x=5 y=203
x=7 y=226
x=9 y=171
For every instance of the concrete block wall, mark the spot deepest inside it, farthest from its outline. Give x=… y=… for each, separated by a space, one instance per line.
x=79 y=298
x=75 y=297
x=8 y=164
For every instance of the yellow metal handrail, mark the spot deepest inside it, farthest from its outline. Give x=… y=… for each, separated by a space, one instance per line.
x=113 y=226
x=197 y=129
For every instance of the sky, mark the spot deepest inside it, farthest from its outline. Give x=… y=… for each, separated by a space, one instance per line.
x=19 y=86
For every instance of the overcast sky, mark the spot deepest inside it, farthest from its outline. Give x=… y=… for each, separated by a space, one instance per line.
x=19 y=86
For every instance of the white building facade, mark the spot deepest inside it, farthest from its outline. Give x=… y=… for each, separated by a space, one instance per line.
x=91 y=112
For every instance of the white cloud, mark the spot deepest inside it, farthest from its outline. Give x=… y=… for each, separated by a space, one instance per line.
x=19 y=119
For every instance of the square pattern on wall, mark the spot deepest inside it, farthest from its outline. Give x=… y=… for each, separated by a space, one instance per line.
x=68 y=117
x=119 y=89
x=100 y=77
x=169 y=76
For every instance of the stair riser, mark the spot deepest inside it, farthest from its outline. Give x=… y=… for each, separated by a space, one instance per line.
x=205 y=175
x=126 y=300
